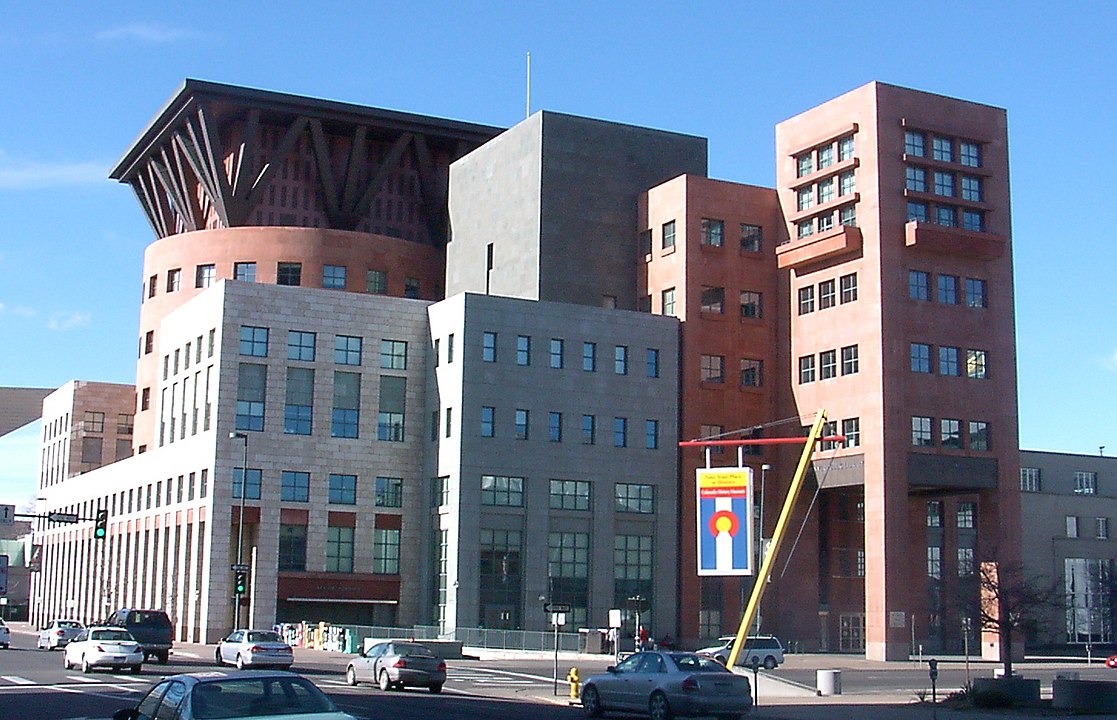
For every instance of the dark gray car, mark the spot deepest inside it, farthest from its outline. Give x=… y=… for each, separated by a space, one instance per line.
x=665 y=684
x=397 y=665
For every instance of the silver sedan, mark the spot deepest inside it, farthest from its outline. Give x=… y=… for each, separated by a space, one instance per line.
x=398 y=665
x=103 y=647
x=665 y=684
x=254 y=649
x=58 y=633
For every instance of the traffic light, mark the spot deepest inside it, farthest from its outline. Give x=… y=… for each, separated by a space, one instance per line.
x=101 y=525
x=240 y=583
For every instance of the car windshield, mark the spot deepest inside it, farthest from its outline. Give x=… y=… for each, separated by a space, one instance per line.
x=254 y=697
x=408 y=650
x=150 y=619
x=114 y=635
x=69 y=624
x=264 y=636
x=687 y=662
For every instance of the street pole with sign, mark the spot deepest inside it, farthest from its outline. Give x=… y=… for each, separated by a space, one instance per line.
x=243 y=437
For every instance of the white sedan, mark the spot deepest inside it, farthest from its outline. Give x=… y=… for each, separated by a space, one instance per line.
x=103 y=647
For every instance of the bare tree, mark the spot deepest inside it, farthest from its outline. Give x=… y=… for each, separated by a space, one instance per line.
x=1011 y=602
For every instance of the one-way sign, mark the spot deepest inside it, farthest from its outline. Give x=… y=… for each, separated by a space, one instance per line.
x=61 y=517
x=556 y=607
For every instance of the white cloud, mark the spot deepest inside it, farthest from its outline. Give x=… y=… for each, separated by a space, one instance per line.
x=26 y=175
x=147 y=33
x=17 y=310
x=62 y=321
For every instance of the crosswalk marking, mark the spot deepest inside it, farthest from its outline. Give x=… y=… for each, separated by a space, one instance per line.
x=16 y=680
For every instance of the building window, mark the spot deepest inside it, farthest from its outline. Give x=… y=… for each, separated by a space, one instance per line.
x=554 y=426
x=845 y=148
x=946 y=216
x=250 y=481
x=920 y=358
x=635 y=498
x=651 y=362
x=804 y=165
x=827 y=295
x=851 y=429
x=289 y=273
x=345 y=415
x=557 y=346
x=825 y=156
x=806 y=369
x=411 y=288
x=620 y=360
x=825 y=191
x=523 y=350
x=620 y=432
x=934 y=513
x=921 y=431
x=971 y=188
x=570 y=495
x=450 y=348
x=847 y=183
x=948 y=289
x=973 y=220
x=850 y=360
x=339 y=549
x=300 y=345
x=713 y=232
x=975 y=364
x=712 y=368
x=376 y=282
x=92 y=449
x=204 y=276
x=389 y=492
x=251 y=383
x=385 y=551
x=245 y=271
x=965 y=562
x=651 y=434
x=488 y=347
x=393 y=354
x=449 y=421
x=488 y=421
x=1030 y=479
x=1072 y=526
x=174 y=280
x=668 y=301
x=915 y=144
x=805 y=198
x=253 y=341
x=944 y=183
x=752 y=238
x=1085 y=483
x=751 y=305
x=1101 y=528
x=521 y=422
x=950 y=433
x=343 y=489
x=942 y=149
x=847 y=215
x=589 y=429
x=435 y=424
x=967 y=511
x=333 y=276
x=827 y=364
x=948 y=361
x=917 y=211
x=294 y=486
x=919 y=285
x=713 y=300
x=645 y=240
x=292 y=547
x=915 y=179
x=502 y=490
x=751 y=372
x=668 y=235
x=298 y=409
x=805 y=228
x=847 y=285
x=589 y=356
x=347 y=350
x=975 y=293
x=969 y=154
x=806 y=299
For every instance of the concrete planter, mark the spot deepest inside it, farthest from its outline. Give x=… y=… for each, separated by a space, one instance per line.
x=1093 y=696
x=1022 y=692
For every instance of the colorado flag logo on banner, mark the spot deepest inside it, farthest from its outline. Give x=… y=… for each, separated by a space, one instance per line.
x=725 y=521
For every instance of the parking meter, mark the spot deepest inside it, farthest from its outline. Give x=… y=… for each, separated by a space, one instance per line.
x=755 y=680
x=933 y=671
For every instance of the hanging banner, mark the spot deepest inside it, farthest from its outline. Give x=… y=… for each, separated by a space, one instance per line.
x=725 y=521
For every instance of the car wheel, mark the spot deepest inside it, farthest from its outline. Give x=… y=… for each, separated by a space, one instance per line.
x=135 y=669
x=436 y=689
x=240 y=662
x=65 y=663
x=85 y=666
x=385 y=682
x=659 y=708
x=350 y=676
x=769 y=663
x=591 y=702
x=217 y=658
x=163 y=656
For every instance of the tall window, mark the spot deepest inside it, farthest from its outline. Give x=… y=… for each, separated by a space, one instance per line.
x=589 y=429
x=668 y=301
x=632 y=568
x=204 y=276
x=965 y=562
x=850 y=360
x=333 y=276
x=651 y=434
x=250 y=484
x=347 y=350
x=967 y=511
x=971 y=188
x=752 y=238
x=1030 y=479
x=948 y=289
x=521 y=421
x=502 y=490
x=827 y=364
x=669 y=235
x=751 y=372
x=292 y=547
x=343 y=489
x=488 y=347
x=948 y=361
x=806 y=299
x=245 y=271
x=975 y=293
x=847 y=183
x=174 y=280
x=919 y=285
x=934 y=513
x=339 y=549
x=942 y=148
x=376 y=282
x=488 y=421
x=570 y=495
x=915 y=179
x=554 y=426
x=298 y=409
x=635 y=498
x=393 y=354
x=287 y=273
x=825 y=156
x=390 y=419
x=969 y=153
x=300 y=345
x=713 y=368
x=975 y=364
x=294 y=486
x=620 y=432
x=944 y=183
x=385 y=551
x=523 y=350
x=950 y=433
x=346 y=413
x=804 y=165
x=620 y=359
x=568 y=571
x=589 y=356
x=752 y=305
x=713 y=300
x=851 y=429
x=806 y=369
x=253 y=341
x=501 y=572
x=921 y=431
x=827 y=295
x=713 y=232
x=845 y=148
x=389 y=492
x=920 y=358
x=1085 y=483
x=557 y=346
x=915 y=144
x=252 y=382
x=651 y=362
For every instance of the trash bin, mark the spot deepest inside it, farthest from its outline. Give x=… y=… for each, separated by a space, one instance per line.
x=590 y=640
x=828 y=682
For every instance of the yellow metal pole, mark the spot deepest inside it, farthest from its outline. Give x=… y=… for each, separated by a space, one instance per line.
x=777 y=537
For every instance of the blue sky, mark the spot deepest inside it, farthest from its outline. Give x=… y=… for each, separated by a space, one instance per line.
x=80 y=80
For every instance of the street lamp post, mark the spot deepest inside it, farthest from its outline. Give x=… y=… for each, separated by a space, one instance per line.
x=243 y=437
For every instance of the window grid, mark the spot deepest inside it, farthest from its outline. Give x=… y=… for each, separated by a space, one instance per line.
x=502 y=490
x=570 y=495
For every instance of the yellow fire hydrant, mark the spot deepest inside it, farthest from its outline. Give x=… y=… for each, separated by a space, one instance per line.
x=575 y=683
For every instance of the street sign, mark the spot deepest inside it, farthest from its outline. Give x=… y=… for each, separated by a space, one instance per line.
x=556 y=608
x=7 y=514
x=240 y=567
x=61 y=517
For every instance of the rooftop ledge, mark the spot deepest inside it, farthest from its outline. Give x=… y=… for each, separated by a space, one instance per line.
x=954 y=241
x=840 y=240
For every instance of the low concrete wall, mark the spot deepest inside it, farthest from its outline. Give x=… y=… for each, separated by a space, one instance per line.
x=1022 y=692
x=1094 y=696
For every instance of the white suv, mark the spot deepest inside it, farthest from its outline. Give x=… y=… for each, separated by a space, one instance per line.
x=763 y=650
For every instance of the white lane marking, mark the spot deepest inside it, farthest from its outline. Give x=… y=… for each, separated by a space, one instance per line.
x=82 y=679
x=509 y=673
x=16 y=680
